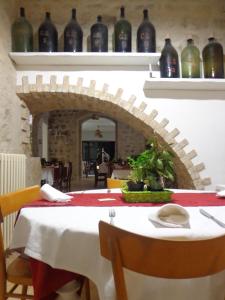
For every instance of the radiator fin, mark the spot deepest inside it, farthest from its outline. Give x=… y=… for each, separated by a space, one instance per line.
x=12 y=177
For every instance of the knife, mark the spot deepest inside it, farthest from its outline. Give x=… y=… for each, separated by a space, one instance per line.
x=206 y=214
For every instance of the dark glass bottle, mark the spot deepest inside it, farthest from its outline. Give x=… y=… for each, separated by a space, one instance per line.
x=169 y=62
x=122 y=33
x=190 y=60
x=213 y=63
x=73 y=35
x=22 y=34
x=48 y=35
x=99 y=36
x=146 y=35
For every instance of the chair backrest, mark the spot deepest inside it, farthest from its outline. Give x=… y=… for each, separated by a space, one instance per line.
x=10 y=203
x=159 y=258
x=103 y=168
x=13 y=201
x=115 y=183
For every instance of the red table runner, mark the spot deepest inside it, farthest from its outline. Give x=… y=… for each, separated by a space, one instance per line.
x=184 y=199
x=47 y=280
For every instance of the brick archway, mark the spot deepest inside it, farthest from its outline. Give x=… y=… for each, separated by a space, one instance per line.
x=41 y=97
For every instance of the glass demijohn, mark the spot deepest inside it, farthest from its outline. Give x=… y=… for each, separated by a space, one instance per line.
x=73 y=35
x=213 y=63
x=146 y=35
x=48 y=35
x=22 y=34
x=99 y=36
x=190 y=61
x=169 y=62
x=122 y=33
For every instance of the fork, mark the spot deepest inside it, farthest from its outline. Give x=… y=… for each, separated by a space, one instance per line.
x=112 y=214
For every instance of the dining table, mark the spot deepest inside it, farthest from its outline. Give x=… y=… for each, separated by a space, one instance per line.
x=65 y=238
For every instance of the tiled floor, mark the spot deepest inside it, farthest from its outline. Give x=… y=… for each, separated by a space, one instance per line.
x=86 y=184
x=93 y=289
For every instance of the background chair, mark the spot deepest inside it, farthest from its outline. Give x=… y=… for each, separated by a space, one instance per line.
x=66 y=177
x=115 y=183
x=18 y=271
x=159 y=258
x=101 y=174
x=57 y=176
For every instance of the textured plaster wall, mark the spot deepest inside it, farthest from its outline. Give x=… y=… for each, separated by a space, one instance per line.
x=197 y=122
x=10 y=104
x=176 y=18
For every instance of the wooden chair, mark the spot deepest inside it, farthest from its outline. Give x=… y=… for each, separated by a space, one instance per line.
x=58 y=176
x=66 y=177
x=101 y=174
x=115 y=183
x=159 y=258
x=18 y=271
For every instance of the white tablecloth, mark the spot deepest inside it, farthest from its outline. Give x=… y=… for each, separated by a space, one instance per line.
x=67 y=238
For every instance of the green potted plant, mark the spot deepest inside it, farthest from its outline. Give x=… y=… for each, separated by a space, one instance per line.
x=152 y=166
x=135 y=179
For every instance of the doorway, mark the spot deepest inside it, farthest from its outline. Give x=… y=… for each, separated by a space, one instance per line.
x=98 y=135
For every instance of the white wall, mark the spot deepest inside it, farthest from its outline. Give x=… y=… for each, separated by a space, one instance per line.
x=201 y=122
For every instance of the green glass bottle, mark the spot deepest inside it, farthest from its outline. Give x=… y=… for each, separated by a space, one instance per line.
x=122 y=33
x=190 y=61
x=169 y=61
x=22 y=34
x=213 y=62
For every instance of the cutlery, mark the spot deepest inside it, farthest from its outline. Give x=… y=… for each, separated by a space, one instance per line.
x=206 y=214
x=112 y=214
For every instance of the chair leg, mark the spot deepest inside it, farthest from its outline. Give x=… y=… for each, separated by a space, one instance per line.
x=87 y=289
x=24 y=292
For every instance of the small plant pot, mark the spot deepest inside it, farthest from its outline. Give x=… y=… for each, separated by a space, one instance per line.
x=135 y=186
x=154 y=189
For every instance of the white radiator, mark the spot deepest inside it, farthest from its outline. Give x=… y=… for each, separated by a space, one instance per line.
x=12 y=177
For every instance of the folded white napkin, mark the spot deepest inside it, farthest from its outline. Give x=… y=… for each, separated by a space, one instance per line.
x=51 y=194
x=221 y=193
x=171 y=215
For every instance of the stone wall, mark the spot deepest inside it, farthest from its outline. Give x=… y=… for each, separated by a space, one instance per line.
x=65 y=138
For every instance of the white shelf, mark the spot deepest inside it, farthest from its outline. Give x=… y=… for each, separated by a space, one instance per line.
x=180 y=88
x=113 y=59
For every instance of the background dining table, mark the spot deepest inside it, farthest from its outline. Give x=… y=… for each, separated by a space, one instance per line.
x=66 y=238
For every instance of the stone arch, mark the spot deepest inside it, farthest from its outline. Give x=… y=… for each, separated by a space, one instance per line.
x=41 y=97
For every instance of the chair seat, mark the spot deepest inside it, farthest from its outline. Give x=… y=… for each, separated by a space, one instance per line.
x=19 y=271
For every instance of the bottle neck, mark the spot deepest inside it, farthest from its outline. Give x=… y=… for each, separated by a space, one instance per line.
x=99 y=19
x=211 y=39
x=74 y=14
x=47 y=15
x=190 y=42
x=168 y=41
x=22 y=12
x=122 y=12
x=145 y=14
